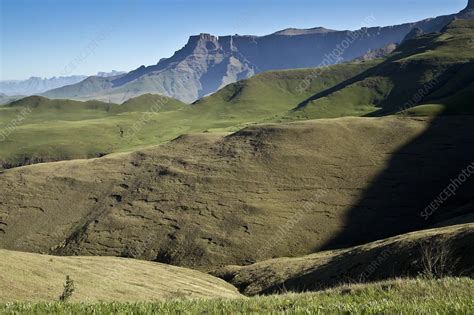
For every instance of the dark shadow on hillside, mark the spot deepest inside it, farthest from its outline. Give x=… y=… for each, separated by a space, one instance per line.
x=335 y=88
x=388 y=66
x=394 y=260
x=450 y=81
x=415 y=176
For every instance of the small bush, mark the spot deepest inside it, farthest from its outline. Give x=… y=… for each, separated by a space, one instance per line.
x=437 y=260
x=68 y=290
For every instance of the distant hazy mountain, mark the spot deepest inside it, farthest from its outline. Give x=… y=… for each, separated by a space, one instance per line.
x=5 y=99
x=37 y=85
x=207 y=63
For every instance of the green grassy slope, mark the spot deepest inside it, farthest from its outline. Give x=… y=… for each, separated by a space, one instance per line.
x=64 y=129
x=421 y=296
x=29 y=277
x=431 y=69
x=271 y=95
x=48 y=130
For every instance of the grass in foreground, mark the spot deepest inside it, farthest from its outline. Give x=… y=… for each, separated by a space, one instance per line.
x=420 y=296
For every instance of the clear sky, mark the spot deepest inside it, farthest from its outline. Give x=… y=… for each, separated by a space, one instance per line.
x=52 y=37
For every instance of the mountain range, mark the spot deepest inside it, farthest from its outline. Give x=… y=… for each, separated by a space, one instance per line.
x=37 y=85
x=207 y=62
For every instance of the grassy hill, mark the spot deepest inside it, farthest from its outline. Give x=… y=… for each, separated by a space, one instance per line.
x=211 y=200
x=271 y=95
x=36 y=129
x=434 y=69
x=404 y=255
x=64 y=129
x=36 y=278
x=421 y=296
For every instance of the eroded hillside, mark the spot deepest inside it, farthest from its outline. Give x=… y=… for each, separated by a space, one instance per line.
x=208 y=200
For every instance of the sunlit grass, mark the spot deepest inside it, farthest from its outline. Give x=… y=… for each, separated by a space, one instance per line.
x=420 y=296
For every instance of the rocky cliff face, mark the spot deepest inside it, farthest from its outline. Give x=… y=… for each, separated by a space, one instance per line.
x=207 y=63
x=204 y=65
x=468 y=12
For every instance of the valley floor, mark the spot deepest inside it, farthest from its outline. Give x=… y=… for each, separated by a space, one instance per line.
x=419 y=296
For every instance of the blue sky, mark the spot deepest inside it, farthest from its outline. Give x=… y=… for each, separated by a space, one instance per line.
x=53 y=37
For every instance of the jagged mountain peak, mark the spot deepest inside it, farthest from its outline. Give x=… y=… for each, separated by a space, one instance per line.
x=206 y=37
x=203 y=40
